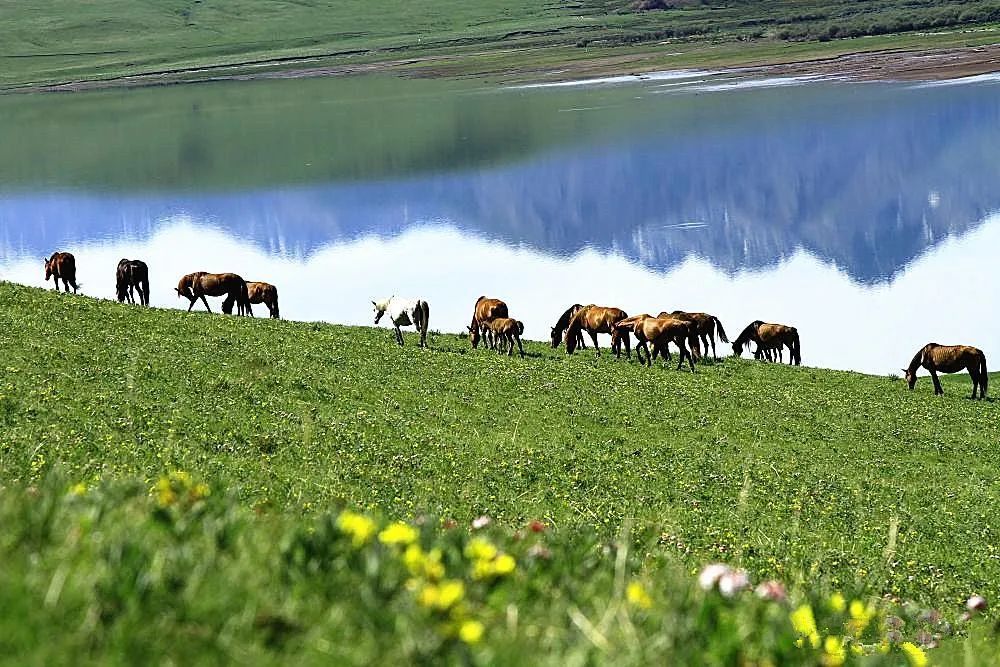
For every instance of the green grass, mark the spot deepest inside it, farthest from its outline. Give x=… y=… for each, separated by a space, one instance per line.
x=63 y=41
x=826 y=480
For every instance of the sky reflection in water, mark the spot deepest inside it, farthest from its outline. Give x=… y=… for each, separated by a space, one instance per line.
x=811 y=205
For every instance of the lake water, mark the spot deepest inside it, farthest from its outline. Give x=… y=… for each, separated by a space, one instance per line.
x=811 y=203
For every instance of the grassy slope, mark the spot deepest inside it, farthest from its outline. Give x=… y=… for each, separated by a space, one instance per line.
x=786 y=470
x=791 y=472
x=54 y=42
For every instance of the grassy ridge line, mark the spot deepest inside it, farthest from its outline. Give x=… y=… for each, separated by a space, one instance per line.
x=790 y=472
x=47 y=43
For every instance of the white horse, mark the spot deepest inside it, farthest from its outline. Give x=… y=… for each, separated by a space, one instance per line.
x=404 y=313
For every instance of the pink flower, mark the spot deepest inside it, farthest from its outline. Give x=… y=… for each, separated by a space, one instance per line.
x=711 y=574
x=976 y=603
x=733 y=582
x=772 y=590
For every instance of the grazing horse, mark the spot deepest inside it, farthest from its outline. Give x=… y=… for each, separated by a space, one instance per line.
x=660 y=331
x=950 y=359
x=200 y=284
x=62 y=266
x=506 y=332
x=132 y=274
x=594 y=320
x=486 y=311
x=404 y=313
x=264 y=293
x=770 y=337
x=707 y=325
x=562 y=323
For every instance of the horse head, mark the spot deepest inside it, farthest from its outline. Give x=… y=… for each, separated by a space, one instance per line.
x=738 y=349
x=556 y=336
x=910 y=377
x=380 y=308
x=48 y=268
x=474 y=336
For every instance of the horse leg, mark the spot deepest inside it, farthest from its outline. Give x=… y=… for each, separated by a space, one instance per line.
x=205 y=301
x=937 y=382
x=593 y=337
x=628 y=347
x=399 y=334
x=579 y=339
x=66 y=285
x=520 y=348
x=711 y=337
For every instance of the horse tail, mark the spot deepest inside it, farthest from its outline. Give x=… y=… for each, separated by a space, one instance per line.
x=520 y=328
x=277 y=313
x=797 y=348
x=425 y=316
x=722 y=332
x=245 y=297
x=984 y=383
x=145 y=290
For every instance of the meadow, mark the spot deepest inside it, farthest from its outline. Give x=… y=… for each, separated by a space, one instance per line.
x=218 y=489
x=49 y=43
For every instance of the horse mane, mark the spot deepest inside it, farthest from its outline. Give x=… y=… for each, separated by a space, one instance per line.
x=917 y=358
x=747 y=333
x=383 y=304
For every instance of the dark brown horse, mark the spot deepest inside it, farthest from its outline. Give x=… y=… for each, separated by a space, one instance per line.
x=950 y=359
x=132 y=275
x=264 y=293
x=485 y=311
x=594 y=320
x=506 y=332
x=562 y=323
x=708 y=325
x=62 y=266
x=200 y=284
x=770 y=337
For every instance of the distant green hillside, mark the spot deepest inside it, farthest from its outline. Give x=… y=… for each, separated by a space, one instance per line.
x=64 y=41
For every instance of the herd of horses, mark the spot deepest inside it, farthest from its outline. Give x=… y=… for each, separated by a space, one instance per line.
x=690 y=332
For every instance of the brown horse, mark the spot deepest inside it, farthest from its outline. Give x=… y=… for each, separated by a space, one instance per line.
x=950 y=359
x=594 y=320
x=506 y=332
x=562 y=323
x=485 y=311
x=264 y=293
x=708 y=325
x=660 y=331
x=770 y=337
x=62 y=266
x=132 y=275
x=200 y=284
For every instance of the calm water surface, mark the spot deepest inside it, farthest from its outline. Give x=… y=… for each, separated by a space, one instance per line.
x=809 y=203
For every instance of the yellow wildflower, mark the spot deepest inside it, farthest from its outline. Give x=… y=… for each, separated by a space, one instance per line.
x=914 y=654
x=838 y=603
x=470 y=632
x=638 y=596
x=78 y=489
x=421 y=563
x=804 y=623
x=165 y=496
x=398 y=533
x=441 y=597
x=504 y=564
x=861 y=616
x=480 y=549
x=834 y=654
x=358 y=526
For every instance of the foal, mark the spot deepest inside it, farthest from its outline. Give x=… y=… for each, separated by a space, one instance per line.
x=507 y=331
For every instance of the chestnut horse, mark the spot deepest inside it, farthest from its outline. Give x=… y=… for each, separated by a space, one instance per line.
x=264 y=293
x=132 y=274
x=770 y=337
x=660 y=331
x=707 y=325
x=562 y=323
x=594 y=320
x=506 y=332
x=950 y=359
x=485 y=311
x=62 y=266
x=200 y=284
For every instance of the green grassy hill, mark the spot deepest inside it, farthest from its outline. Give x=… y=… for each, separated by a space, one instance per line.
x=828 y=481
x=43 y=42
